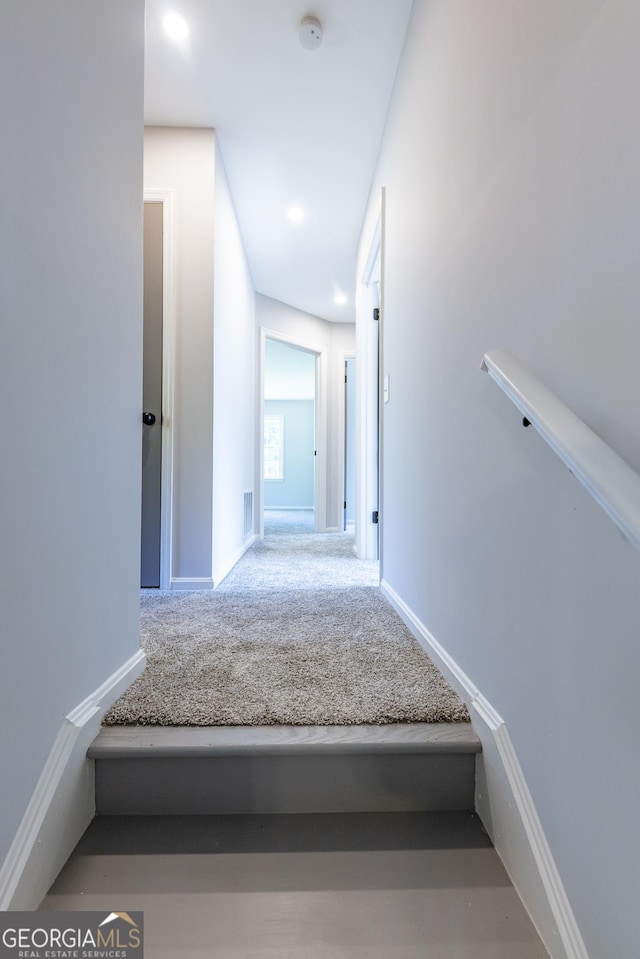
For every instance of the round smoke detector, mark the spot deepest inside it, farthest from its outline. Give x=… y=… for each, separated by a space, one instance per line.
x=310 y=33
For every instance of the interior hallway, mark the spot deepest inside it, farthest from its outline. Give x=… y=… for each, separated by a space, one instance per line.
x=292 y=556
x=290 y=521
x=297 y=634
x=350 y=885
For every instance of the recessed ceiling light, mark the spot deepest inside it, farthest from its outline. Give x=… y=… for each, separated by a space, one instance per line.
x=176 y=25
x=295 y=214
x=340 y=299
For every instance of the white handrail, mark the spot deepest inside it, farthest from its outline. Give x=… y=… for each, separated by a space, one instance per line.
x=614 y=485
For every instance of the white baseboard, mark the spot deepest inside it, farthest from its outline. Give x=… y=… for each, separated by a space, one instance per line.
x=505 y=805
x=284 y=509
x=63 y=801
x=226 y=567
x=198 y=582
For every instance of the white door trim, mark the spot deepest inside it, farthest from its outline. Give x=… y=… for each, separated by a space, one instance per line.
x=343 y=356
x=320 y=484
x=368 y=415
x=167 y=198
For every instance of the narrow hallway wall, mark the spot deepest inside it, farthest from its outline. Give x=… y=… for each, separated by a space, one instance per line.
x=183 y=160
x=513 y=221
x=214 y=391
x=234 y=381
x=70 y=378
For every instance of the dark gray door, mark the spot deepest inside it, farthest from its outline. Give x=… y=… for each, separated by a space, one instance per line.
x=152 y=398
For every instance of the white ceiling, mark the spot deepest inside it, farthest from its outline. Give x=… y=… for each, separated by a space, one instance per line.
x=294 y=127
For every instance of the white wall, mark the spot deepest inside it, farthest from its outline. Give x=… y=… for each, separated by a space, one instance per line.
x=289 y=391
x=295 y=490
x=510 y=164
x=183 y=160
x=289 y=373
x=215 y=356
x=234 y=382
x=333 y=341
x=70 y=377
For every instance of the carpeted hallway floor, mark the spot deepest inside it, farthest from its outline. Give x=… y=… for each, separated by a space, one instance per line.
x=292 y=557
x=297 y=634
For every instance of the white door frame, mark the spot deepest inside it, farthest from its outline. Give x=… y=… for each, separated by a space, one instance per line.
x=369 y=398
x=343 y=356
x=320 y=412
x=167 y=199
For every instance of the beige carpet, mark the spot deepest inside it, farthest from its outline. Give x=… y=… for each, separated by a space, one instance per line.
x=291 y=637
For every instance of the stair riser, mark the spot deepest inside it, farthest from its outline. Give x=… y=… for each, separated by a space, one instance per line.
x=216 y=785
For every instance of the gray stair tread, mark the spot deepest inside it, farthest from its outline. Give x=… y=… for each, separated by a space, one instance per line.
x=354 y=886
x=166 y=741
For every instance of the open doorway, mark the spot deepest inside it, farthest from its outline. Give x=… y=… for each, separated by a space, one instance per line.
x=289 y=437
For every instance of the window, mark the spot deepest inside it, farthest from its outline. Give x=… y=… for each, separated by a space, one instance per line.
x=273 y=446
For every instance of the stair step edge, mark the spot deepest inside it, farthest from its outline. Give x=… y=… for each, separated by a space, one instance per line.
x=121 y=742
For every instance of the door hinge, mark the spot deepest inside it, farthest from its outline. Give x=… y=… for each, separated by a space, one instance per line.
x=375 y=516
x=345 y=505
x=376 y=313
